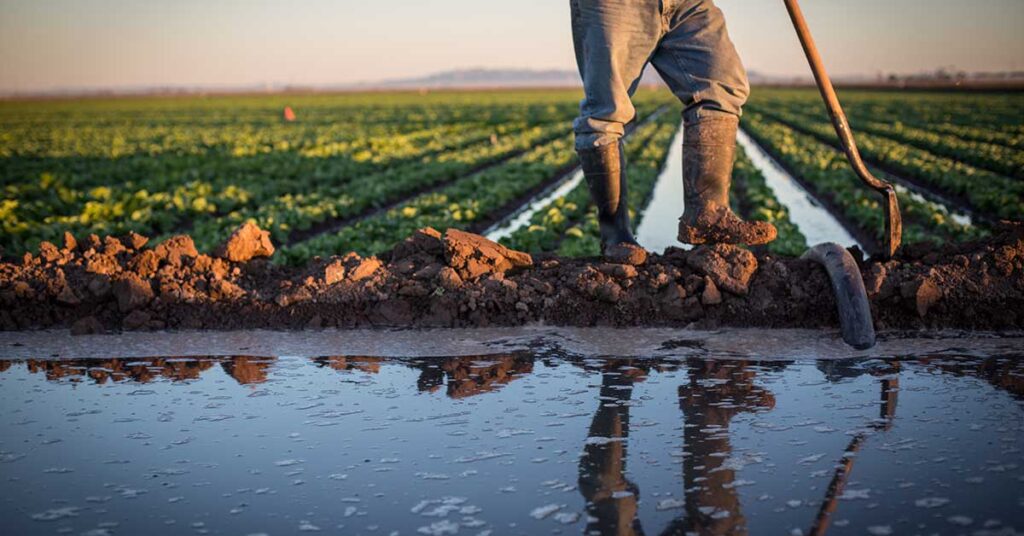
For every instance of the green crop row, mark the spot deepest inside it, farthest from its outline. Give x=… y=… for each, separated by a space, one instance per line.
x=828 y=174
x=987 y=192
x=994 y=157
x=167 y=165
x=461 y=204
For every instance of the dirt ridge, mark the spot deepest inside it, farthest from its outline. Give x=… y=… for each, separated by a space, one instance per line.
x=460 y=279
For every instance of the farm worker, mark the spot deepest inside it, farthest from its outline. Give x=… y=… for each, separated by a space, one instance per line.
x=687 y=43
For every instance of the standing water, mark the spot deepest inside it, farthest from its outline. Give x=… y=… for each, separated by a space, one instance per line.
x=534 y=439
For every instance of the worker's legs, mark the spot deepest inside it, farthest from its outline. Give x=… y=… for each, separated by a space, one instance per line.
x=613 y=41
x=700 y=64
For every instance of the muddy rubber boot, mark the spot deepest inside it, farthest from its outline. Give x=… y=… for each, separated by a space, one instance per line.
x=604 y=168
x=709 y=146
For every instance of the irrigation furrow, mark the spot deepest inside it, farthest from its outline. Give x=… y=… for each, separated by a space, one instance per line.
x=523 y=209
x=954 y=203
x=862 y=236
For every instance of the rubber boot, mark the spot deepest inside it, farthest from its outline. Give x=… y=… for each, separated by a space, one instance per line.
x=604 y=168
x=709 y=146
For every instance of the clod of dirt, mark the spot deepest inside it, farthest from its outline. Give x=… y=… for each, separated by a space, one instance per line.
x=923 y=293
x=86 y=326
x=334 y=272
x=134 y=241
x=145 y=264
x=70 y=244
x=131 y=292
x=626 y=254
x=730 y=267
x=711 y=295
x=426 y=241
x=364 y=268
x=176 y=248
x=472 y=255
x=246 y=242
x=48 y=252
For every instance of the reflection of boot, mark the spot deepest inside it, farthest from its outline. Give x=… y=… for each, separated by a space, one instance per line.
x=604 y=167
x=709 y=146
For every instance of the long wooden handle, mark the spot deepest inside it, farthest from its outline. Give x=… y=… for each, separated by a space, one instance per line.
x=893 y=223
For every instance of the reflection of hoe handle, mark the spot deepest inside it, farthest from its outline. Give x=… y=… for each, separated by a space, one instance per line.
x=893 y=221
x=887 y=412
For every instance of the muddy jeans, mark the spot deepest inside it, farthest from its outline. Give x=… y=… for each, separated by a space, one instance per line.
x=686 y=42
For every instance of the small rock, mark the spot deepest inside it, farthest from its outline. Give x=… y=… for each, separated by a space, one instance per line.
x=102 y=264
x=99 y=285
x=925 y=293
x=222 y=289
x=428 y=272
x=711 y=295
x=448 y=278
x=70 y=244
x=626 y=254
x=609 y=291
x=112 y=246
x=68 y=296
x=246 y=242
x=334 y=272
x=145 y=264
x=48 y=252
x=86 y=326
x=364 y=269
x=472 y=255
x=134 y=240
x=621 y=271
x=131 y=292
x=426 y=240
x=730 y=267
x=413 y=289
x=135 y=320
x=175 y=248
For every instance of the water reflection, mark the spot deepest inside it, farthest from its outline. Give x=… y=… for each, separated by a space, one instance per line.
x=717 y=405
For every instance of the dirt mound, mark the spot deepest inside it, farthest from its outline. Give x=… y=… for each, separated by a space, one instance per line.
x=461 y=279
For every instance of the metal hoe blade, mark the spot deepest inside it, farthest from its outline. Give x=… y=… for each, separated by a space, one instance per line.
x=893 y=220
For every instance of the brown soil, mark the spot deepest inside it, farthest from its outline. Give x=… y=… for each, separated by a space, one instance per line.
x=463 y=280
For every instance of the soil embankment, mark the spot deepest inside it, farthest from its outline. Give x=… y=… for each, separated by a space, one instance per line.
x=463 y=280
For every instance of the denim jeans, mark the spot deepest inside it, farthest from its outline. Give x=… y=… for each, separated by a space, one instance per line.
x=686 y=42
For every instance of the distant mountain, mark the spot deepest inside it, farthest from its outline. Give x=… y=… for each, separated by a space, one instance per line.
x=488 y=78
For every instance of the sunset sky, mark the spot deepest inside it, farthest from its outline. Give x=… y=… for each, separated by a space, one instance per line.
x=62 y=44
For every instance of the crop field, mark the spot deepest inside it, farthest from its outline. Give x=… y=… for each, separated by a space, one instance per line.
x=359 y=172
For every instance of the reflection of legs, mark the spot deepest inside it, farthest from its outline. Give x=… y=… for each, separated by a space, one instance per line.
x=611 y=498
x=712 y=503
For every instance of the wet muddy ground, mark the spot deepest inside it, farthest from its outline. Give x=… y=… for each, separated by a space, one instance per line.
x=459 y=279
x=541 y=441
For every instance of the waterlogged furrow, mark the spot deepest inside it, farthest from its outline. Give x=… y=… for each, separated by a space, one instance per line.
x=458 y=205
x=826 y=171
x=563 y=219
x=754 y=199
x=879 y=138
x=986 y=192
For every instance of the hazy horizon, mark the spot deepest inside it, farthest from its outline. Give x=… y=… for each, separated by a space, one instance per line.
x=49 y=45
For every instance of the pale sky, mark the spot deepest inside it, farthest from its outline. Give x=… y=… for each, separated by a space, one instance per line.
x=59 y=44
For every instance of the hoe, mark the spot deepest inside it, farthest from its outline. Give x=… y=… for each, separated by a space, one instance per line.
x=893 y=221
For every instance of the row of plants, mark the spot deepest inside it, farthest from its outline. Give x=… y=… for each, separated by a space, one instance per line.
x=826 y=172
x=161 y=166
x=165 y=201
x=995 y=111
x=987 y=192
x=461 y=204
x=994 y=157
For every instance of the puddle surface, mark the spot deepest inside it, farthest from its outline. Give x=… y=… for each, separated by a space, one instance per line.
x=528 y=442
